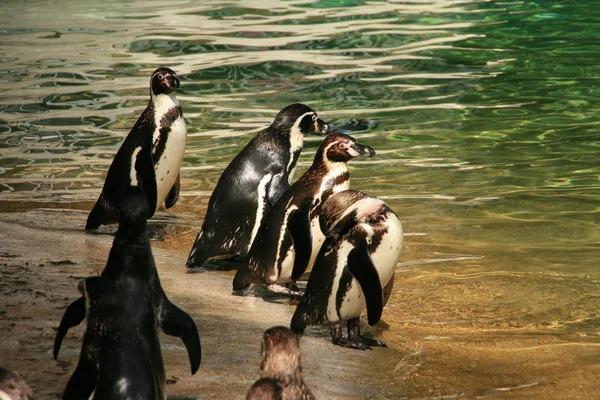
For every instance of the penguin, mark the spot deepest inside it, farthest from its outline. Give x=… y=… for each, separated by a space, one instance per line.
x=12 y=387
x=120 y=356
x=150 y=156
x=252 y=183
x=131 y=258
x=280 y=369
x=289 y=238
x=354 y=269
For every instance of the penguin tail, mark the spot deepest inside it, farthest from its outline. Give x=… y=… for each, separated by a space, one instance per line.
x=98 y=216
x=300 y=319
x=196 y=258
x=242 y=279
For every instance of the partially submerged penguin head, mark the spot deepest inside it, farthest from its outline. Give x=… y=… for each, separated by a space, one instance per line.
x=299 y=117
x=281 y=353
x=12 y=387
x=134 y=212
x=264 y=389
x=339 y=147
x=163 y=81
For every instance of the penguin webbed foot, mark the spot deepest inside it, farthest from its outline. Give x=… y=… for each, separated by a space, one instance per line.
x=289 y=289
x=351 y=344
x=373 y=342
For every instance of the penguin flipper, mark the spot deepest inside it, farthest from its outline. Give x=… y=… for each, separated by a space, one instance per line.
x=175 y=322
x=82 y=383
x=173 y=195
x=144 y=167
x=73 y=316
x=360 y=265
x=298 y=226
x=277 y=186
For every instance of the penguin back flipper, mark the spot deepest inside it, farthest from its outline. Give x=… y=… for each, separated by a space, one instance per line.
x=299 y=228
x=361 y=266
x=173 y=195
x=82 y=383
x=175 y=322
x=144 y=167
x=73 y=316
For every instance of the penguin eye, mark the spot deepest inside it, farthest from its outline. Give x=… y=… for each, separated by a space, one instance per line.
x=315 y=117
x=160 y=77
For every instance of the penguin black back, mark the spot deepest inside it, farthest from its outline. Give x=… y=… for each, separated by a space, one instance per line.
x=252 y=183
x=130 y=257
x=120 y=355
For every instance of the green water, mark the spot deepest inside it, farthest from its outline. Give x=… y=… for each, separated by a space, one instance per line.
x=484 y=115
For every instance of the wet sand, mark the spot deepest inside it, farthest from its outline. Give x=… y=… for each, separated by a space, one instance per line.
x=44 y=252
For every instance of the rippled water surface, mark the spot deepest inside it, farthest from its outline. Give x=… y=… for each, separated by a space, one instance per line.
x=484 y=115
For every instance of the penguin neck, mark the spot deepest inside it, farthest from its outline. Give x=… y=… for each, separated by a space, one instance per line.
x=164 y=102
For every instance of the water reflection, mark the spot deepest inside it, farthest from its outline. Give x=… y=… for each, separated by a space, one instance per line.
x=484 y=118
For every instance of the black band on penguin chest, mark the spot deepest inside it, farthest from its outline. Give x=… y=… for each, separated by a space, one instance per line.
x=166 y=121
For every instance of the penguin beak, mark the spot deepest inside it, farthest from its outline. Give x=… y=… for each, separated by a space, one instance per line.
x=321 y=127
x=363 y=150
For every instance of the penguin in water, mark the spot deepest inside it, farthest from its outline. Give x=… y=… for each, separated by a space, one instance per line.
x=131 y=258
x=120 y=356
x=12 y=387
x=150 y=156
x=251 y=184
x=289 y=238
x=280 y=370
x=354 y=269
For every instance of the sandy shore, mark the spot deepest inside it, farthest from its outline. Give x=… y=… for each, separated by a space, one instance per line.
x=44 y=253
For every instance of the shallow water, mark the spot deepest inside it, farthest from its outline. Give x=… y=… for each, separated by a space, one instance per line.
x=483 y=114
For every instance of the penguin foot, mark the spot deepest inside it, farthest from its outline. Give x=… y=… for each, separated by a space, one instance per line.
x=351 y=344
x=280 y=289
x=373 y=342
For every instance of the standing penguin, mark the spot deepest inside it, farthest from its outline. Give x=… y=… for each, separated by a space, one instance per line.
x=288 y=240
x=280 y=369
x=120 y=356
x=131 y=258
x=251 y=184
x=150 y=156
x=354 y=269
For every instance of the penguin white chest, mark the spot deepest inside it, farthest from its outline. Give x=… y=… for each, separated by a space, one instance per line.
x=385 y=258
x=168 y=147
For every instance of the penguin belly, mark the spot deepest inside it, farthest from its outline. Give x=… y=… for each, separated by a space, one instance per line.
x=167 y=167
x=386 y=256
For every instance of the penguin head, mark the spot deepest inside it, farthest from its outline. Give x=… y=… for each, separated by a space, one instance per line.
x=339 y=147
x=301 y=118
x=281 y=352
x=134 y=212
x=164 y=81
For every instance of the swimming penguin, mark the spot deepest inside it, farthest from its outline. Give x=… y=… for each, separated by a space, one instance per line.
x=280 y=370
x=13 y=387
x=252 y=183
x=131 y=258
x=120 y=356
x=150 y=156
x=289 y=238
x=354 y=269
